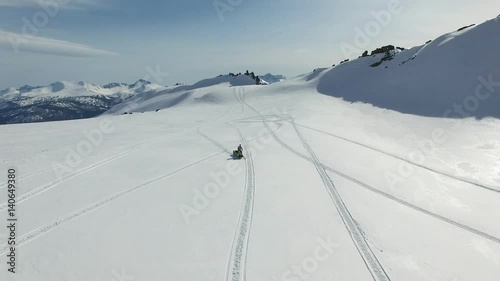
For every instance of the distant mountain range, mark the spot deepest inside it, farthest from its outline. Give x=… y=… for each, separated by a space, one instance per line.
x=271 y=79
x=65 y=100
x=76 y=100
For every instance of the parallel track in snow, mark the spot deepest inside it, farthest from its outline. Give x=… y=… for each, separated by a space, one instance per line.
x=213 y=141
x=414 y=207
x=29 y=175
x=34 y=173
x=41 y=189
x=236 y=270
x=264 y=120
x=392 y=197
x=372 y=263
x=34 y=234
x=403 y=159
x=397 y=200
x=376 y=190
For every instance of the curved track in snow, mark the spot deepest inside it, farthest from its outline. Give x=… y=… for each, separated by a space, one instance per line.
x=29 y=175
x=34 y=173
x=414 y=207
x=391 y=197
x=41 y=189
x=236 y=270
x=403 y=159
x=372 y=263
x=375 y=190
x=32 y=235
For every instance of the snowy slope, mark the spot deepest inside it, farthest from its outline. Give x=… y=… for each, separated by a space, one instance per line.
x=428 y=80
x=200 y=92
x=329 y=189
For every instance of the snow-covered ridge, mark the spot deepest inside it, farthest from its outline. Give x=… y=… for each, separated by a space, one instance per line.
x=440 y=78
x=78 y=89
x=437 y=79
x=65 y=100
x=271 y=78
x=204 y=91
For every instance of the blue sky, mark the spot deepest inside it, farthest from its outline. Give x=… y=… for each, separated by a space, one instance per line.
x=123 y=41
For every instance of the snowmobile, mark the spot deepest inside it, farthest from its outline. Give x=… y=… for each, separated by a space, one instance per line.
x=238 y=154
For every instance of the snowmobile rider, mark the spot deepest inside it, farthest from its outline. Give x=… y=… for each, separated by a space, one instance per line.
x=240 y=149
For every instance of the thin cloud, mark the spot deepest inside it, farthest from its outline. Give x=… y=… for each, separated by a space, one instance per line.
x=62 y=4
x=302 y=51
x=41 y=45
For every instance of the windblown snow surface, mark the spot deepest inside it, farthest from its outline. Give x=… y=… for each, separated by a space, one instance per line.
x=331 y=188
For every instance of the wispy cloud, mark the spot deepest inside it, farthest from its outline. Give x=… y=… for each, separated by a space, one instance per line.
x=302 y=51
x=34 y=44
x=63 y=4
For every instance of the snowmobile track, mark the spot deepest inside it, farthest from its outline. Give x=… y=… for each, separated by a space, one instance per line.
x=391 y=197
x=374 y=267
x=43 y=188
x=404 y=160
x=372 y=263
x=32 y=235
x=29 y=175
x=377 y=191
x=236 y=270
x=414 y=207
x=213 y=141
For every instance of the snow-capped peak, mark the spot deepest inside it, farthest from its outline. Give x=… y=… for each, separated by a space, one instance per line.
x=271 y=78
x=75 y=89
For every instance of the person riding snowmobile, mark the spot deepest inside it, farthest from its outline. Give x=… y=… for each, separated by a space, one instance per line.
x=238 y=153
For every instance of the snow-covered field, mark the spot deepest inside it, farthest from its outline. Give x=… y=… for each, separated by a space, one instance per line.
x=329 y=189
